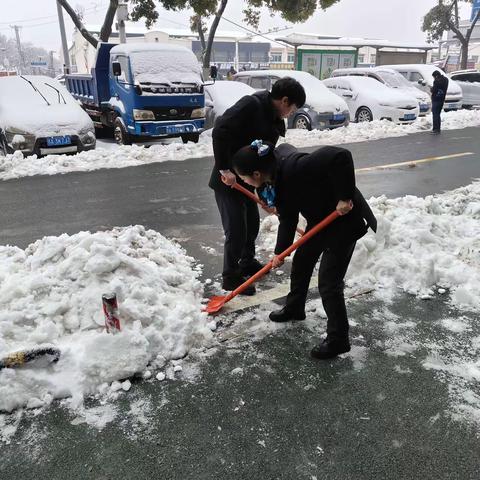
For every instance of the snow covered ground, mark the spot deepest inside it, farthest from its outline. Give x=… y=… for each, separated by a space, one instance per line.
x=50 y=293
x=15 y=165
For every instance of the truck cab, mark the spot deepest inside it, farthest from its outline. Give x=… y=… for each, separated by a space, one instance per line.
x=143 y=91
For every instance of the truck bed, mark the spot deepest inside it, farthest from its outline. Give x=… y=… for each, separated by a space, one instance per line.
x=82 y=88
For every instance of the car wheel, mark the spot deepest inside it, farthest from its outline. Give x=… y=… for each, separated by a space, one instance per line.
x=122 y=137
x=190 y=137
x=364 y=115
x=302 y=122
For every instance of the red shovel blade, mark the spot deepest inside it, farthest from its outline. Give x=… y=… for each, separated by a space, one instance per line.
x=215 y=304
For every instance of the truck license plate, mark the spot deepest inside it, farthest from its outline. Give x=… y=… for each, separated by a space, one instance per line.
x=171 y=129
x=58 y=141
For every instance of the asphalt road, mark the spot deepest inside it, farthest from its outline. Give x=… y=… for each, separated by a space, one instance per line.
x=284 y=416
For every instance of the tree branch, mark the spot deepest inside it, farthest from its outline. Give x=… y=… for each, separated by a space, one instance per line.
x=472 y=26
x=106 y=29
x=211 y=34
x=78 y=23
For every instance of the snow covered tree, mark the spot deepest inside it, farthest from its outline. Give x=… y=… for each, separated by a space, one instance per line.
x=443 y=18
x=203 y=10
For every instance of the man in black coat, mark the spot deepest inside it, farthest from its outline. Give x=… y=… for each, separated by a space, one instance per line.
x=439 y=92
x=313 y=185
x=254 y=116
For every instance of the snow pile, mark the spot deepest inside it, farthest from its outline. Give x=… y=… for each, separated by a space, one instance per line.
x=50 y=293
x=422 y=244
x=15 y=166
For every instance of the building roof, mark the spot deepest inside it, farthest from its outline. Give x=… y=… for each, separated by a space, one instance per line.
x=298 y=40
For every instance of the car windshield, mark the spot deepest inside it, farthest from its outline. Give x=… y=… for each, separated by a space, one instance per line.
x=394 y=80
x=165 y=67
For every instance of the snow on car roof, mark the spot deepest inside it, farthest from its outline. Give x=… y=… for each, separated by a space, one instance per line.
x=425 y=69
x=227 y=87
x=128 y=48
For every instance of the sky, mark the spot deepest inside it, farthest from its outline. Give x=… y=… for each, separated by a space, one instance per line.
x=397 y=20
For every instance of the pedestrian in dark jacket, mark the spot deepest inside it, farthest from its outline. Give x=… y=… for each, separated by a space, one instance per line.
x=254 y=116
x=439 y=92
x=314 y=185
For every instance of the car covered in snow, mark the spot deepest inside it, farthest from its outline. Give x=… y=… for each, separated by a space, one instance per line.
x=370 y=100
x=220 y=96
x=420 y=76
x=321 y=111
x=393 y=79
x=38 y=115
x=469 y=82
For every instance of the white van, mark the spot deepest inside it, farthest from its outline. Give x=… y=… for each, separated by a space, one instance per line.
x=392 y=79
x=322 y=109
x=420 y=75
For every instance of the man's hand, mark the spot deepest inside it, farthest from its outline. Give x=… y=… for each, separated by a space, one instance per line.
x=228 y=178
x=344 y=206
x=276 y=262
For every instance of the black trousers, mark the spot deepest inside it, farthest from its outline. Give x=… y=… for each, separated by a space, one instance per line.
x=437 y=106
x=333 y=267
x=241 y=222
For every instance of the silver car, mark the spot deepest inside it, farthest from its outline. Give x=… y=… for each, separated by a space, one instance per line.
x=469 y=81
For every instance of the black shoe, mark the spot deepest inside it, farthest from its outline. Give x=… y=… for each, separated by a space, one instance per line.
x=284 y=315
x=435 y=132
x=330 y=349
x=251 y=268
x=232 y=282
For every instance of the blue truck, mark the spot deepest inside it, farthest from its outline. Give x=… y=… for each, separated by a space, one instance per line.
x=143 y=92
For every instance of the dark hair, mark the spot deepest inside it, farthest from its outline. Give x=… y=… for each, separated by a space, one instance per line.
x=248 y=160
x=290 y=88
x=436 y=73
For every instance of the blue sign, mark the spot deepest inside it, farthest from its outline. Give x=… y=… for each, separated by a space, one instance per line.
x=475 y=9
x=38 y=64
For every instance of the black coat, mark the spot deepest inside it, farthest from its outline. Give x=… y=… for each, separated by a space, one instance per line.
x=312 y=184
x=252 y=117
x=439 y=89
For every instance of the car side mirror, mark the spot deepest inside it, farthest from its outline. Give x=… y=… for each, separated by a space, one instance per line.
x=116 y=69
x=348 y=95
x=422 y=82
x=208 y=104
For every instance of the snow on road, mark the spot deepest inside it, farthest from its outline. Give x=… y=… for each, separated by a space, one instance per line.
x=15 y=165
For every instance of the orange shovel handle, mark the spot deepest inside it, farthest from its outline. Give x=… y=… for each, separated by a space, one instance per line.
x=320 y=226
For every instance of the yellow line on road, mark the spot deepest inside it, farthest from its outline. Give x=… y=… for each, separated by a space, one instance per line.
x=412 y=162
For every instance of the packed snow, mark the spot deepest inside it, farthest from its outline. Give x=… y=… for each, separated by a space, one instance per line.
x=51 y=293
x=15 y=165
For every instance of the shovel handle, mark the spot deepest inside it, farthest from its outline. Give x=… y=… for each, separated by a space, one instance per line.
x=320 y=226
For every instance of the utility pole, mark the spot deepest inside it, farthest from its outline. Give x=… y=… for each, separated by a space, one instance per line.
x=52 y=65
x=63 y=35
x=19 y=47
x=122 y=15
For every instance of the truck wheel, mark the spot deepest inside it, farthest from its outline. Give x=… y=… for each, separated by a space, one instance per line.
x=122 y=137
x=190 y=137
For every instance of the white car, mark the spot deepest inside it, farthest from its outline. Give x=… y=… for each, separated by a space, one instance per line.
x=322 y=110
x=38 y=115
x=420 y=76
x=221 y=96
x=392 y=79
x=370 y=100
x=469 y=81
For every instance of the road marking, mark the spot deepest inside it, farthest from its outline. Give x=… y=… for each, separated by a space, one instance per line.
x=413 y=162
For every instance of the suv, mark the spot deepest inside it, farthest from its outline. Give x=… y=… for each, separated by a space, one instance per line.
x=322 y=109
x=469 y=81
x=392 y=79
x=420 y=75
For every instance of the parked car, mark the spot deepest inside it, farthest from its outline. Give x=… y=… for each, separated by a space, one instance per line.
x=420 y=76
x=222 y=95
x=393 y=79
x=38 y=115
x=469 y=81
x=370 y=100
x=322 y=110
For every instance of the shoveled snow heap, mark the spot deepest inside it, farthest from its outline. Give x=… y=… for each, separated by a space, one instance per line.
x=15 y=165
x=422 y=245
x=50 y=293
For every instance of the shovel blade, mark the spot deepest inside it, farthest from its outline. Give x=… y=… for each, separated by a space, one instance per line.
x=215 y=304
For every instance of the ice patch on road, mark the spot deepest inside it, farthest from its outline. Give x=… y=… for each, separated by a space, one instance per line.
x=108 y=156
